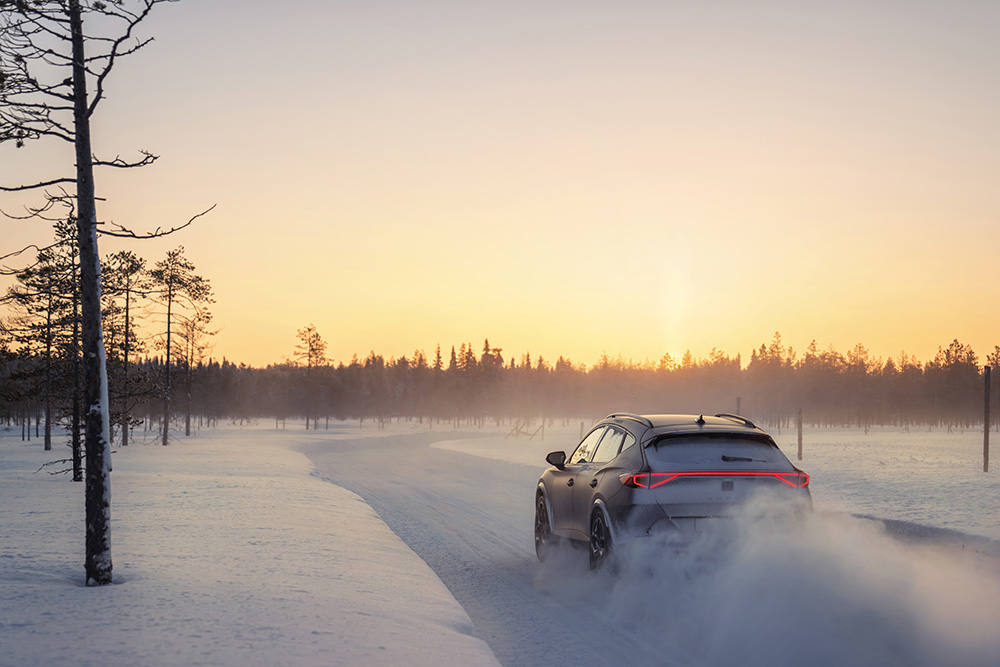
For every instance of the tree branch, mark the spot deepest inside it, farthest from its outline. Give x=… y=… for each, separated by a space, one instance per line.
x=114 y=53
x=147 y=159
x=35 y=186
x=126 y=233
x=7 y=271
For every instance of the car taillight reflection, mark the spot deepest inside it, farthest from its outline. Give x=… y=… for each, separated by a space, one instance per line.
x=651 y=480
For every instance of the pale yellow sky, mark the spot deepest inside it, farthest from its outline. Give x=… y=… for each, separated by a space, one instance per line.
x=572 y=178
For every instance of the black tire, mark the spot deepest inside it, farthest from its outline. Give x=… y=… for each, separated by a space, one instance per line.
x=600 y=540
x=545 y=541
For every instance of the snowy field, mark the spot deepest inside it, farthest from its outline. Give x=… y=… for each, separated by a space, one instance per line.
x=260 y=546
x=929 y=477
x=932 y=478
x=227 y=550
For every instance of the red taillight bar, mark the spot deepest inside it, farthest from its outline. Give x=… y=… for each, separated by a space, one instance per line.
x=651 y=480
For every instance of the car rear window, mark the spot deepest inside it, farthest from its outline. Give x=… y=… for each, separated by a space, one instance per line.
x=715 y=453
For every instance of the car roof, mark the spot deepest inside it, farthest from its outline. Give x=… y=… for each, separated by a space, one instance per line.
x=677 y=424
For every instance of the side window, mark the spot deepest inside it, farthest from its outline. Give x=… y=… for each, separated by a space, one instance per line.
x=629 y=441
x=608 y=449
x=587 y=447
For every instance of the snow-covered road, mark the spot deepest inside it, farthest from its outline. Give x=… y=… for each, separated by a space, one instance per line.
x=470 y=519
x=842 y=593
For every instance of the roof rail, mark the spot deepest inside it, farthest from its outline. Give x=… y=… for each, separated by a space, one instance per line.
x=744 y=420
x=629 y=415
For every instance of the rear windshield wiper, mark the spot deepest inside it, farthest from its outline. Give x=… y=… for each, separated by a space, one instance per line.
x=747 y=459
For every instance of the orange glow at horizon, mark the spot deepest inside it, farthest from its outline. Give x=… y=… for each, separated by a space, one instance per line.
x=573 y=179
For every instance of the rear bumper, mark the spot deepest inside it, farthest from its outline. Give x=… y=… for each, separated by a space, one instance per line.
x=689 y=521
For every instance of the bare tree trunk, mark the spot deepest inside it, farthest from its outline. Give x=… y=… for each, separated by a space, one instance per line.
x=77 y=389
x=48 y=369
x=125 y=415
x=98 y=491
x=167 y=388
x=986 y=419
x=187 y=396
x=309 y=385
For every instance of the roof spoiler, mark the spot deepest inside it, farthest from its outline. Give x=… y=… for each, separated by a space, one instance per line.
x=738 y=418
x=633 y=417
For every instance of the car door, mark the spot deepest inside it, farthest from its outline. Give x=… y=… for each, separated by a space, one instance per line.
x=589 y=474
x=564 y=481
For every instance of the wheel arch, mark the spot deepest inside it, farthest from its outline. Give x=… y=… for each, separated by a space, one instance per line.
x=541 y=489
x=600 y=506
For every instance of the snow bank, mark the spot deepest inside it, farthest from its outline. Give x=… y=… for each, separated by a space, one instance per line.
x=226 y=550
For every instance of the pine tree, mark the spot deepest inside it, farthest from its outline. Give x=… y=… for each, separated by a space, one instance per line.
x=311 y=352
x=124 y=279
x=177 y=288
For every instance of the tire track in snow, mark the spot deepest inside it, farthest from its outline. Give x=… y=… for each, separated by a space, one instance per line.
x=471 y=519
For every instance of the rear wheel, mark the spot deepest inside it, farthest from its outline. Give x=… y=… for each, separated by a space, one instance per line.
x=545 y=540
x=600 y=540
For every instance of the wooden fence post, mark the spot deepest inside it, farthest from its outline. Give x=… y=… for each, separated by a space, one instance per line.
x=799 y=428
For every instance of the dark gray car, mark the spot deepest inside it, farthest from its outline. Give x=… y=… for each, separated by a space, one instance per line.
x=634 y=474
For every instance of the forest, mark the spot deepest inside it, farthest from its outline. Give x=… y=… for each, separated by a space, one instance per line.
x=157 y=327
x=163 y=306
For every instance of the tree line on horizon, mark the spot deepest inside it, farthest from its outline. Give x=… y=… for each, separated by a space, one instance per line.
x=829 y=387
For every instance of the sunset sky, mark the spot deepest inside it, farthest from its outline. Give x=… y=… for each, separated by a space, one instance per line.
x=565 y=177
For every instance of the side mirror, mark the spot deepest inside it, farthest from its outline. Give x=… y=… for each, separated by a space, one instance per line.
x=557 y=459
